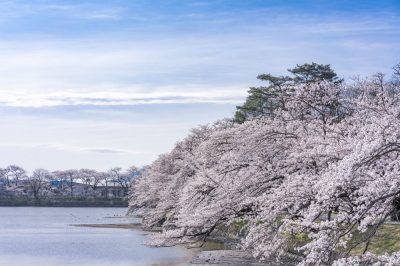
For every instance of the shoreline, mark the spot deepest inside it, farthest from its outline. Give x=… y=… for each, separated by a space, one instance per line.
x=137 y=226
x=63 y=202
x=212 y=253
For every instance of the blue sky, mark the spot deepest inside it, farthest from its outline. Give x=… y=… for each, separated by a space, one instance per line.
x=104 y=83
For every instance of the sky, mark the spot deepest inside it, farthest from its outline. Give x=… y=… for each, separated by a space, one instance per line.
x=98 y=84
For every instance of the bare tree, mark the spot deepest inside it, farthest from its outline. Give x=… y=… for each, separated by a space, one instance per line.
x=60 y=179
x=16 y=173
x=106 y=178
x=37 y=181
x=125 y=179
x=397 y=70
x=95 y=180
x=3 y=174
x=90 y=178
x=115 y=175
x=68 y=176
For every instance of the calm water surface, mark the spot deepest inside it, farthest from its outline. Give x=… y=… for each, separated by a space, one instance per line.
x=44 y=236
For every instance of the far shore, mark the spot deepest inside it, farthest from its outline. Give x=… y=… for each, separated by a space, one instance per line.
x=62 y=202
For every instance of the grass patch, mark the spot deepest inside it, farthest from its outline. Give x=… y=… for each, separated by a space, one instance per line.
x=386 y=240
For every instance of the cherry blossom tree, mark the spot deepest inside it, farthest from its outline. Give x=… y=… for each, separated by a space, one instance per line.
x=316 y=180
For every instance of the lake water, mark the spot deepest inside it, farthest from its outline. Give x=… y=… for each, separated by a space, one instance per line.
x=44 y=236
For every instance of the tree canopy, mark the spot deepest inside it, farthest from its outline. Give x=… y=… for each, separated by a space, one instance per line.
x=266 y=100
x=303 y=182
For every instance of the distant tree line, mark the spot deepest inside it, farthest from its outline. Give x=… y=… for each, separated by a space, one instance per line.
x=16 y=181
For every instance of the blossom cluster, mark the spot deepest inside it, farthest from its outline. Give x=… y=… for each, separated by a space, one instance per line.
x=315 y=180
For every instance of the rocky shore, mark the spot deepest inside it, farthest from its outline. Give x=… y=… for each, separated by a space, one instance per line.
x=225 y=257
x=234 y=258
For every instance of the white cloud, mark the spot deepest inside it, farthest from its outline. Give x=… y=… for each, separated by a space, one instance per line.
x=85 y=11
x=127 y=69
x=72 y=148
x=122 y=97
